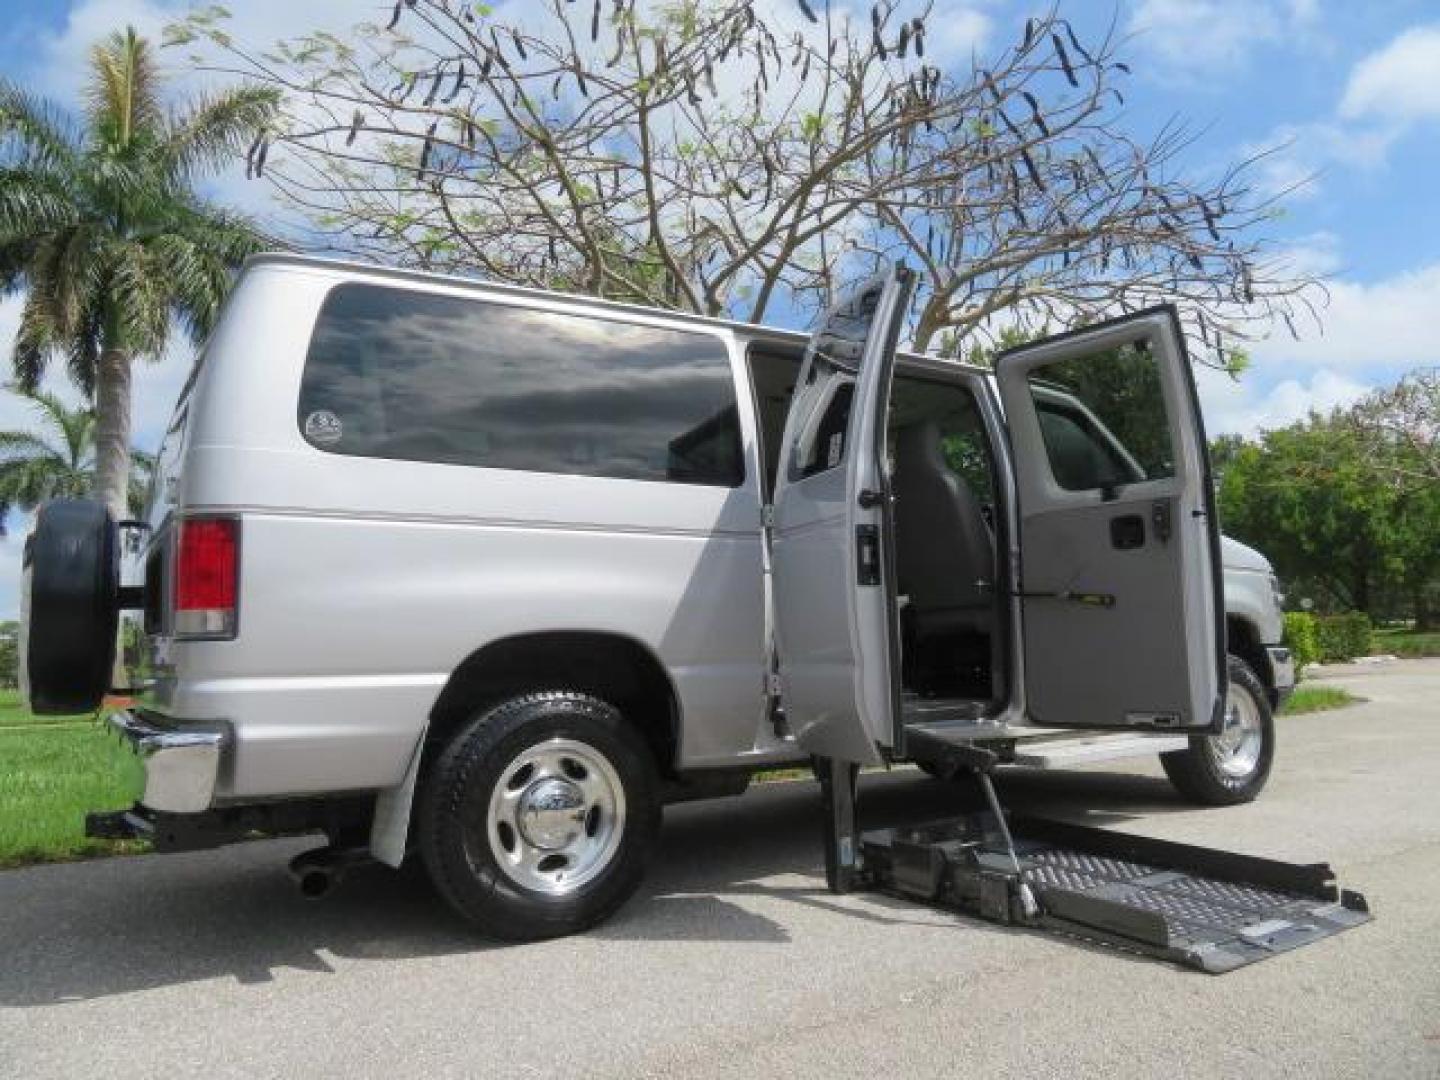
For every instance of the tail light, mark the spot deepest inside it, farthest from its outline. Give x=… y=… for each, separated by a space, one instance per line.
x=207 y=578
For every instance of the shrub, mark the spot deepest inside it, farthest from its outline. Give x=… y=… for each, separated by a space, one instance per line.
x=1301 y=638
x=1343 y=637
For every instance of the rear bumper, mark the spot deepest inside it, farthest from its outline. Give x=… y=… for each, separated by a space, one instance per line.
x=181 y=767
x=1282 y=673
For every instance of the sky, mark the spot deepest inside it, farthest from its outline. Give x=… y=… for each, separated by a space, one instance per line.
x=1345 y=95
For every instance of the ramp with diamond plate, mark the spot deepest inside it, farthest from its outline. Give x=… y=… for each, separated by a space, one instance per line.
x=1206 y=909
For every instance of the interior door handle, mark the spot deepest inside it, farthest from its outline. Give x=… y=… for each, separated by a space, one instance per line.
x=1127 y=532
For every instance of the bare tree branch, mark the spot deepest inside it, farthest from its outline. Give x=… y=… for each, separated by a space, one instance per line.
x=695 y=155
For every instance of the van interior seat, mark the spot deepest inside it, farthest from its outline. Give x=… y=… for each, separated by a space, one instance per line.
x=945 y=555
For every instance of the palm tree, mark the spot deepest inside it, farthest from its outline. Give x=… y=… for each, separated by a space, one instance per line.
x=102 y=229
x=57 y=461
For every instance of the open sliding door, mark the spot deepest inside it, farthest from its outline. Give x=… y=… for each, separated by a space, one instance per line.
x=832 y=546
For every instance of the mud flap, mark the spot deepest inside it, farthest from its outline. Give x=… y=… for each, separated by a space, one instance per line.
x=1206 y=909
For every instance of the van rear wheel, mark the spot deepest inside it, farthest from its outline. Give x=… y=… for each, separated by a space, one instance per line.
x=540 y=816
x=1232 y=767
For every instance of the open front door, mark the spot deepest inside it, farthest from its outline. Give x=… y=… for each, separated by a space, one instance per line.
x=1121 y=595
x=832 y=554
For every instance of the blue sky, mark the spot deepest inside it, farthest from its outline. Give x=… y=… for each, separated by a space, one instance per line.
x=1349 y=92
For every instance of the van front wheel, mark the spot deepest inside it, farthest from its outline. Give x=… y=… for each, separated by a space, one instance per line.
x=539 y=817
x=1232 y=767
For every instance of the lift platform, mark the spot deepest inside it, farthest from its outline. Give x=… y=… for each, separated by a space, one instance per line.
x=1198 y=907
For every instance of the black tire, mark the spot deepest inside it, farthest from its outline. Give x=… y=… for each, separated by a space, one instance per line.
x=71 y=607
x=458 y=836
x=1197 y=771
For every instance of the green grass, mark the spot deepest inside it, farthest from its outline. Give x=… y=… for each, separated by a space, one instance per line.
x=13 y=714
x=53 y=770
x=1309 y=699
x=1403 y=642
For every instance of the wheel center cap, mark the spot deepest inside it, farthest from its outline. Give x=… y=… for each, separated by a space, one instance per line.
x=552 y=814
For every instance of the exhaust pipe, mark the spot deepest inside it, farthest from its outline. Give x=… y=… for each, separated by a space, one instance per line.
x=319 y=871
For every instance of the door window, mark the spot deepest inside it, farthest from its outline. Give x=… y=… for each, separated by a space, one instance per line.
x=1103 y=419
x=824 y=447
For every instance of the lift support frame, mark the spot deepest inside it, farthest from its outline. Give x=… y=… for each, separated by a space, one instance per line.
x=1198 y=907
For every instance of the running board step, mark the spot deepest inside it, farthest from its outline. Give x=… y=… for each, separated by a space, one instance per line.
x=1072 y=751
x=1201 y=908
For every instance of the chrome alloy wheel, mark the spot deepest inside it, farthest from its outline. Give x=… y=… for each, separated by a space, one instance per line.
x=556 y=816
x=1237 y=748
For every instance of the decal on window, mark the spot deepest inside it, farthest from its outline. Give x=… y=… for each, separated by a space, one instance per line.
x=323 y=428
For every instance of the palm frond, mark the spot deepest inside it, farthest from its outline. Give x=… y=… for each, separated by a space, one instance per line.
x=215 y=131
x=34 y=468
x=23 y=446
x=140 y=298
x=34 y=342
x=34 y=201
x=82 y=351
x=39 y=132
x=122 y=97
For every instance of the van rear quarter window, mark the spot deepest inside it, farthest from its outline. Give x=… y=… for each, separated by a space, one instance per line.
x=396 y=373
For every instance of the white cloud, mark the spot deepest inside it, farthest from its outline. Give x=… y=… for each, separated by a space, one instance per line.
x=1245 y=406
x=1373 y=332
x=954 y=35
x=1386 y=94
x=1191 y=37
x=1316 y=254
x=1399 y=83
x=1293 y=158
x=1388 y=323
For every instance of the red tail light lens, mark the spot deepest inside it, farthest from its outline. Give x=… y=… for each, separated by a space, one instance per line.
x=207 y=577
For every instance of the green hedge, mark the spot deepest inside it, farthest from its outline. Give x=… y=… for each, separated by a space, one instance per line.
x=1302 y=638
x=1343 y=637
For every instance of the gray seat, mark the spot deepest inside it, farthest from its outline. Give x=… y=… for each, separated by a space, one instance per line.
x=945 y=556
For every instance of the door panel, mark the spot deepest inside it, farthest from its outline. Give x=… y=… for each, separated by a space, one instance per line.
x=832 y=552
x=1121 y=602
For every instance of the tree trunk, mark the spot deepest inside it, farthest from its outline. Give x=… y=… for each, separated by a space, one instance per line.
x=1426 y=617
x=112 y=431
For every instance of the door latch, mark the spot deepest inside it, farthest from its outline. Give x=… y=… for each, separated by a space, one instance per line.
x=867 y=554
x=1160 y=519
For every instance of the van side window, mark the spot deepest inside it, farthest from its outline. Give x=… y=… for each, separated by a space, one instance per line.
x=395 y=373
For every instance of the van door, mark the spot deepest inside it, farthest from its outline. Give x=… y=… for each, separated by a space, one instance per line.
x=1121 y=596
x=833 y=560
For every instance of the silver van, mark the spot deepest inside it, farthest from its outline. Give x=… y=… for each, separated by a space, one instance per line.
x=486 y=575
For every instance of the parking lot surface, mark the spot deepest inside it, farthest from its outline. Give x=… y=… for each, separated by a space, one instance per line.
x=734 y=961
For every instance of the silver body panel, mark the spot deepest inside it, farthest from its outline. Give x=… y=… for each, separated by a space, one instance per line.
x=366 y=582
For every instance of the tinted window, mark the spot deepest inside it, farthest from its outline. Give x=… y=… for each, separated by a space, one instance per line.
x=399 y=374
x=1103 y=418
x=827 y=449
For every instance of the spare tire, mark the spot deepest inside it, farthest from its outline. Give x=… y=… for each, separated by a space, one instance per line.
x=70 y=607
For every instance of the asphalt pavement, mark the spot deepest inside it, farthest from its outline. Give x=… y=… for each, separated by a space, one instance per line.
x=734 y=961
